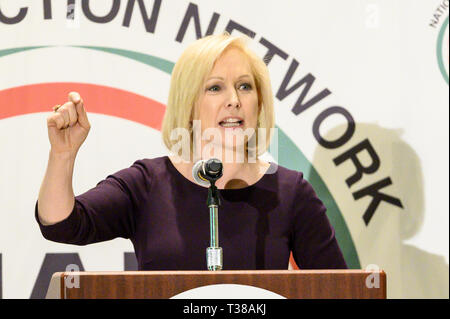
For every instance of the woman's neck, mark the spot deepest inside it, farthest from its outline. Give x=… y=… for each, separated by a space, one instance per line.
x=236 y=174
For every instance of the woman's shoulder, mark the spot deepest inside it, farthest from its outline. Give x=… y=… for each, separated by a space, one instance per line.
x=289 y=180
x=155 y=163
x=142 y=169
x=285 y=174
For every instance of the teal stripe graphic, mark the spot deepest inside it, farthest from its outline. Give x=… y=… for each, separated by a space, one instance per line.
x=17 y=50
x=161 y=64
x=440 y=43
x=289 y=155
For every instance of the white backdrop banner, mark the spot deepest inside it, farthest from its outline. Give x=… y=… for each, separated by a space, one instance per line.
x=361 y=100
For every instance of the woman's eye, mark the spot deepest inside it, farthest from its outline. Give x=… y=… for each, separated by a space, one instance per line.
x=245 y=86
x=214 y=88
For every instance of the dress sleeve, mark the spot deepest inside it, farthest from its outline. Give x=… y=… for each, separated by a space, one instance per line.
x=104 y=212
x=314 y=242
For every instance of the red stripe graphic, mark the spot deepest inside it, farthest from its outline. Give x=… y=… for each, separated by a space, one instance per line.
x=97 y=99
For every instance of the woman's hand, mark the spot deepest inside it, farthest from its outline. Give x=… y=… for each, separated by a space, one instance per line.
x=68 y=126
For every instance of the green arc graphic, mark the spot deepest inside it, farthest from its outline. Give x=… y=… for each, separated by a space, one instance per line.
x=440 y=43
x=17 y=50
x=289 y=155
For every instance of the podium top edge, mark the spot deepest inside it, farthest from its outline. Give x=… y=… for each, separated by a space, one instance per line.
x=221 y=272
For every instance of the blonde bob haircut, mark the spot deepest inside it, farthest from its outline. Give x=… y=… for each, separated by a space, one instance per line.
x=190 y=73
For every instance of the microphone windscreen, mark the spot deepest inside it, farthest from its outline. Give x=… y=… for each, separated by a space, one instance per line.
x=195 y=174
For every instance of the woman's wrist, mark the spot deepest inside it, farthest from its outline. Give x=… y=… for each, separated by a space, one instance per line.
x=62 y=156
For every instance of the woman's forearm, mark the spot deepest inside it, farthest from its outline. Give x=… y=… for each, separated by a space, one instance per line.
x=56 y=197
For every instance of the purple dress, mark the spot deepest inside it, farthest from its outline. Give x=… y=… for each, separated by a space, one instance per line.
x=166 y=218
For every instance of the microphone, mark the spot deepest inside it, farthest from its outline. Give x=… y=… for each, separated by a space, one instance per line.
x=207 y=172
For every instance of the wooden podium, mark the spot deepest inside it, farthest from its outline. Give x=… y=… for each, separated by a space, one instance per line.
x=292 y=284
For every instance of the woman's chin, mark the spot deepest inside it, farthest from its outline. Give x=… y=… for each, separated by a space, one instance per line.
x=225 y=151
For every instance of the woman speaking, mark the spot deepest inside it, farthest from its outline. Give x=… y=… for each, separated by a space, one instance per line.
x=220 y=101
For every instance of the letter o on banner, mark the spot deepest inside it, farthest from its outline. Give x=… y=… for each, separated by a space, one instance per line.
x=341 y=140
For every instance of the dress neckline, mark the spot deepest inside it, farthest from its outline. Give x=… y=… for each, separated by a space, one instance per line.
x=227 y=190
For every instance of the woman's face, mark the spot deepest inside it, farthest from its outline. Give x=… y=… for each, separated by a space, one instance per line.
x=228 y=102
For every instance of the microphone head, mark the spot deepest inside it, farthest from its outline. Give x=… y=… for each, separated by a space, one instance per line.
x=213 y=169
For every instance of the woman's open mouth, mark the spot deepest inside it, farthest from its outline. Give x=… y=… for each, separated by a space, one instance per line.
x=232 y=122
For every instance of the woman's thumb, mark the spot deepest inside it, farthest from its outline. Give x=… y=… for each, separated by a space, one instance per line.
x=82 y=115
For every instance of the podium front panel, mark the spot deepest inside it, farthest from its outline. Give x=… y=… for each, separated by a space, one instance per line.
x=295 y=284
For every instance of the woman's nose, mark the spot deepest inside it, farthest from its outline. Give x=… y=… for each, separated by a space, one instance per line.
x=234 y=100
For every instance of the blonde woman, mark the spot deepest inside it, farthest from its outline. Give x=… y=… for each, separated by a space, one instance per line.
x=219 y=88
